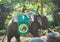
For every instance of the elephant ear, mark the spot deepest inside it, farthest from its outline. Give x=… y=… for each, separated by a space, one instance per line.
x=15 y=19
x=39 y=19
x=32 y=18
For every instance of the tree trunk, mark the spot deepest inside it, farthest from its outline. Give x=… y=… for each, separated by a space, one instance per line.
x=3 y=15
x=56 y=11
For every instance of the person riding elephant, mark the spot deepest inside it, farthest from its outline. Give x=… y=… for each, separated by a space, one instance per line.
x=31 y=16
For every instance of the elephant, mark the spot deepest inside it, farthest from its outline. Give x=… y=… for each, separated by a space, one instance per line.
x=12 y=31
x=40 y=22
x=13 y=27
x=34 y=28
x=43 y=21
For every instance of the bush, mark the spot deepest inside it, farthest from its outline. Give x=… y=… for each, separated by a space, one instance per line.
x=2 y=32
x=57 y=28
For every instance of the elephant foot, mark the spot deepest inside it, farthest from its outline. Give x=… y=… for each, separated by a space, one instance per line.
x=17 y=38
x=9 y=40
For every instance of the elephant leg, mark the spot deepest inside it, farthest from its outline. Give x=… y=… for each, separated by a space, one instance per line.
x=35 y=34
x=9 y=38
x=18 y=38
x=34 y=28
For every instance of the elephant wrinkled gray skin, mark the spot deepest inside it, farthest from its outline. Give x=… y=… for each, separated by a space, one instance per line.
x=45 y=22
x=34 y=28
x=12 y=31
x=42 y=21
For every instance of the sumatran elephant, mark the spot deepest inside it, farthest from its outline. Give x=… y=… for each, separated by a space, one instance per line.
x=40 y=22
x=43 y=22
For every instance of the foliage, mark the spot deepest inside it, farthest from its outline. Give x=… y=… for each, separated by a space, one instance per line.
x=57 y=28
x=3 y=14
x=16 y=6
x=2 y=32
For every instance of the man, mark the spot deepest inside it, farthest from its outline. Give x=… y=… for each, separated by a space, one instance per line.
x=31 y=15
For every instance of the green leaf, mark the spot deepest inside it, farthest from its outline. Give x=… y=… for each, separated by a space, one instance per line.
x=2 y=32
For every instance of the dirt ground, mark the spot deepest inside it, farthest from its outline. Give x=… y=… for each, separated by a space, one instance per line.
x=23 y=39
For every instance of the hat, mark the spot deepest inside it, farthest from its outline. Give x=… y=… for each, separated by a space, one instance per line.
x=36 y=39
x=53 y=35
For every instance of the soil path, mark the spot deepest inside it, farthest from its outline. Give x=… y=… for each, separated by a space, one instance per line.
x=23 y=39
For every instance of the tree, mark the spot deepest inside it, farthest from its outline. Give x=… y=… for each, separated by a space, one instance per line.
x=3 y=15
x=56 y=11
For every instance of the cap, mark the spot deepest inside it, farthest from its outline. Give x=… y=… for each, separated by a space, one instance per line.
x=36 y=39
